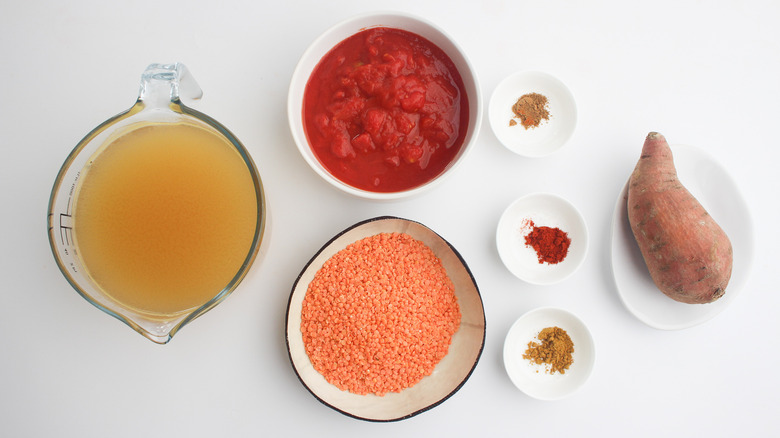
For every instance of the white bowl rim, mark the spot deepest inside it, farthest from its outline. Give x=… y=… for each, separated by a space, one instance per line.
x=468 y=144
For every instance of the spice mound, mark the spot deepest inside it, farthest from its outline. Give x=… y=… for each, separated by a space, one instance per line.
x=551 y=244
x=555 y=348
x=531 y=109
x=379 y=315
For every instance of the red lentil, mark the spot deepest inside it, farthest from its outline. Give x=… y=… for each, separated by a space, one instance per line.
x=379 y=315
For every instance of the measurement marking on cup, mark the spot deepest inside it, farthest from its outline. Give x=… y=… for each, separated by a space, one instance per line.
x=66 y=226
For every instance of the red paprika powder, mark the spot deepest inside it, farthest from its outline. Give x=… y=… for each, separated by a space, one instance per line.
x=551 y=244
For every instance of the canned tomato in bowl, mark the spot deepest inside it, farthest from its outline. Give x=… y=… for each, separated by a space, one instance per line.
x=384 y=106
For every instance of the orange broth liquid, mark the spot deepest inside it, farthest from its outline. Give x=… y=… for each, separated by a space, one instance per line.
x=164 y=217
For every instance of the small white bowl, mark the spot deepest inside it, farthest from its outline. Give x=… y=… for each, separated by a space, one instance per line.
x=551 y=134
x=323 y=44
x=544 y=210
x=533 y=379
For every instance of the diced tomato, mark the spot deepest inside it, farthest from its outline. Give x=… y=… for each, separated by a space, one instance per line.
x=363 y=143
x=384 y=110
x=341 y=146
x=373 y=120
x=411 y=153
x=405 y=122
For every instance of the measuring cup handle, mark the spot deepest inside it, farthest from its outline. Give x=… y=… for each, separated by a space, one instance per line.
x=165 y=83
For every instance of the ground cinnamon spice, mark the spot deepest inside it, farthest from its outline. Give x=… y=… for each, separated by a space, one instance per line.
x=554 y=348
x=531 y=109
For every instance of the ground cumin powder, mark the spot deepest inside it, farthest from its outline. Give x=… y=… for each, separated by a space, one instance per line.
x=554 y=348
x=531 y=109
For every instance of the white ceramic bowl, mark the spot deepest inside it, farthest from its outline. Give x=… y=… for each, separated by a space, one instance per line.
x=448 y=376
x=551 y=134
x=533 y=379
x=325 y=42
x=544 y=210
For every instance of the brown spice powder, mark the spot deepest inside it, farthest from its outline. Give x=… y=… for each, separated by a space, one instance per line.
x=555 y=348
x=531 y=109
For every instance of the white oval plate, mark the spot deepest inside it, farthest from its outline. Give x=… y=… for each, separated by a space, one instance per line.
x=533 y=379
x=551 y=134
x=709 y=182
x=544 y=210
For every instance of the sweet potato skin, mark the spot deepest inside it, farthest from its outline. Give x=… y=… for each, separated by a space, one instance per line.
x=687 y=253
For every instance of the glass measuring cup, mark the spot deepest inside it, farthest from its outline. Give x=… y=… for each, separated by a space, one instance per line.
x=158 y=213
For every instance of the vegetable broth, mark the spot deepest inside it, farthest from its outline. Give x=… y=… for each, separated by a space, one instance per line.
x=165 y=217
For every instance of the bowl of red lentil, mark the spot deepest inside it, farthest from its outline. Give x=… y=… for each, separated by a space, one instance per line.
x=549 y=353
x=385 y=321
x=542 y=238
x=384 y=106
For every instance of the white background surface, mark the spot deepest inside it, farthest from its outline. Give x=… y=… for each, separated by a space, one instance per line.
x=700 y=73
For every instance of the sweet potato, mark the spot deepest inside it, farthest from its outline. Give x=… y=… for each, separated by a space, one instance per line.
x=687 y=253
